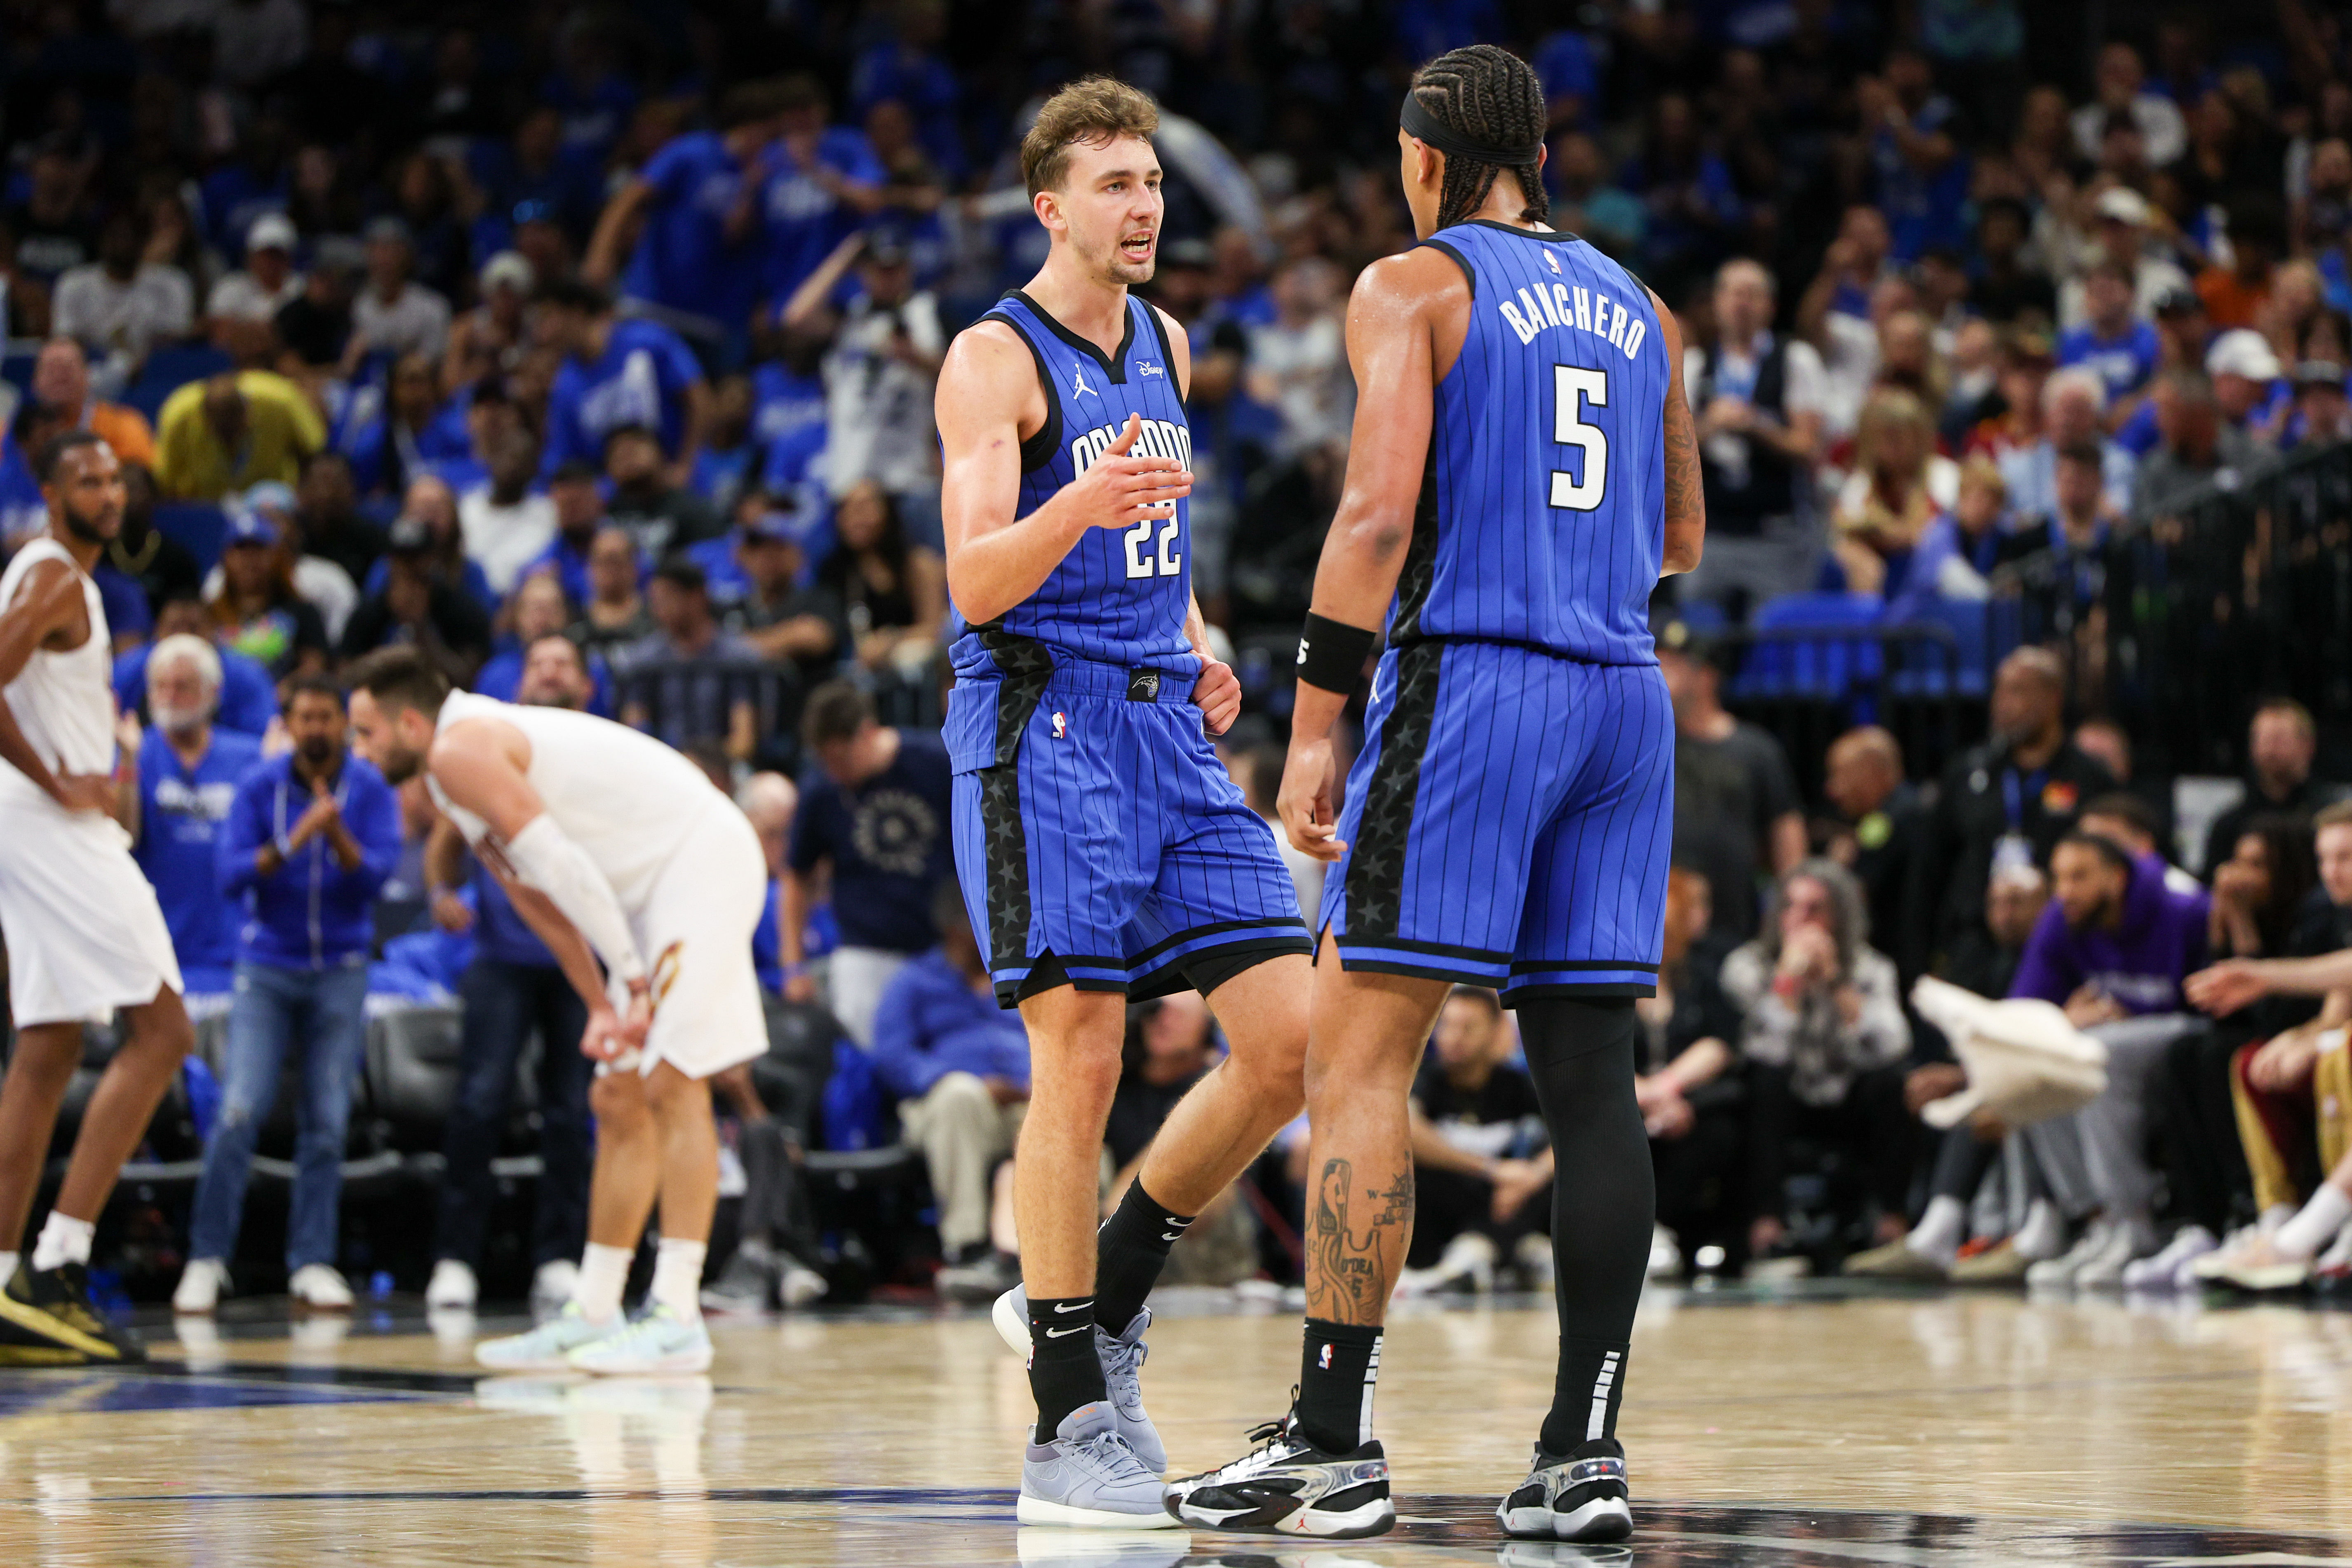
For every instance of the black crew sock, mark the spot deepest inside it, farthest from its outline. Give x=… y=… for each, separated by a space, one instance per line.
x=1604 y=1201
x=1335 y=1379
x=1131 y=1250
x=1063 y=1370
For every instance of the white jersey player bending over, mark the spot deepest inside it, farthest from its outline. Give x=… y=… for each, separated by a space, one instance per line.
x=614 y=847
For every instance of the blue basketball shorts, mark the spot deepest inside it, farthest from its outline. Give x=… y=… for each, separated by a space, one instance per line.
x=1095 y=824
x=1508 y=823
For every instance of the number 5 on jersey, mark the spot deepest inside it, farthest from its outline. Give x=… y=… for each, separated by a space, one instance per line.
x=1574 y=388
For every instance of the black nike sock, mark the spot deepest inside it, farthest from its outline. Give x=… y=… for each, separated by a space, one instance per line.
x=1604 y=1202
x=1131 y=1250
x=1063 y=1370
x=1342 y=1365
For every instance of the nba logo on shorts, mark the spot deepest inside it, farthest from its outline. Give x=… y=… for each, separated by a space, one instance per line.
x=1324 y=1360
x=1061 y=725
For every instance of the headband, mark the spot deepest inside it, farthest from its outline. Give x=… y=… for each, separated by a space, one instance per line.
x=1419 y=122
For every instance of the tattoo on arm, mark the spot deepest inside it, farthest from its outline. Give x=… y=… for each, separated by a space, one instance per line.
x=1685 y=498
x=1350 y=1272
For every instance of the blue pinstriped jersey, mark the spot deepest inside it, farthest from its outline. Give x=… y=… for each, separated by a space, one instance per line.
x=1543 y=515
x=1121 y=596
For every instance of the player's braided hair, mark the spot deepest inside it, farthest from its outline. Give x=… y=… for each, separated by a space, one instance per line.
x=1490 y=95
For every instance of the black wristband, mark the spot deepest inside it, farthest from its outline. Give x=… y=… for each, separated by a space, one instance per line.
x=1331 y=654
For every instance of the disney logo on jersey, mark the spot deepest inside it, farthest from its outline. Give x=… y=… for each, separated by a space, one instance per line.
x=1150 y=367
x=1153 y=438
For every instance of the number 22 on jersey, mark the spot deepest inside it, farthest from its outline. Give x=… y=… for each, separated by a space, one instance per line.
x=1154 y=438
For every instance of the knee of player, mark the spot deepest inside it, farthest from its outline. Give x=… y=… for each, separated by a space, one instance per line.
x=619 y=1100
x=1271 y=1076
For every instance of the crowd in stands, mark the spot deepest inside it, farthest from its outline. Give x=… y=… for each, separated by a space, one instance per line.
x=591 y=350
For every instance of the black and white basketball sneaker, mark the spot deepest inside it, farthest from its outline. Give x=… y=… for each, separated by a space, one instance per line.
x=1289 y=1487
x=1580 y=1496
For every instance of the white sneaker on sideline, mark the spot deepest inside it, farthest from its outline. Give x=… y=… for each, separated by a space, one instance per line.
x=799 y=1284
x=1469 y=1258
x=1533 y=1255
x=1665 y=1253
x=2103 y=1270
x=2335 y=1265
x=202 y=1284
x=320 y=1288
x=2167 y=1269
x=552 y=1286
x=2061 y=1271
x=452 y=1287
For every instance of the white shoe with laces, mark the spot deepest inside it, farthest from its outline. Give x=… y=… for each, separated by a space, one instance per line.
x=452 y=1287
x=2104 y=1270
x=551 y=1285
x=320 y=1287
x=659 y=1341
x=2167 y=1269
x=2060 y=1271
x=202 y=1284
x=549 y=1347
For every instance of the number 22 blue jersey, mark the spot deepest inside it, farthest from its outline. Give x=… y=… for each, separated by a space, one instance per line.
x=1543 y=512
x=1120 y=596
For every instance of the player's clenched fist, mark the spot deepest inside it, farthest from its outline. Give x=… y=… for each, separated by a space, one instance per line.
x=1304 y=803
x=1122 y=488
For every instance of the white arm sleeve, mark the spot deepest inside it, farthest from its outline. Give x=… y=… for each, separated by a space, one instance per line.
x=546 y=858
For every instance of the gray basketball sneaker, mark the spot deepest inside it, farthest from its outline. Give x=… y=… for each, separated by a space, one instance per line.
x=1582 y=1497
x=1122 y=1357
x=1086 y=1475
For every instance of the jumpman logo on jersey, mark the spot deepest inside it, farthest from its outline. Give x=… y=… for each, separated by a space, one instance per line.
x=1078 y=383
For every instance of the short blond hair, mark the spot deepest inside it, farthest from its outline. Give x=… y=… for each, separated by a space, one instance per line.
x=1096 y=110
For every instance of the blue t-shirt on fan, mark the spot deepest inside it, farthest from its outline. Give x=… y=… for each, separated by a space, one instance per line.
x=684 y=261
x=181 y=810
x=887 y=840
x=641 y=378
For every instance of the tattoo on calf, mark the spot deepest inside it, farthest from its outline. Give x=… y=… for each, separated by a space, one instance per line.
x=1349 y=1272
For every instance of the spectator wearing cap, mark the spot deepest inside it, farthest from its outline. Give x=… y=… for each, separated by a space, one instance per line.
x=2250 y=386
x=507 y=521
x=1756 y=400
x=125 y=302
x=314 y=328
x=321 y=582
x=244 y=699
x=251 y=296
x=188 y=768
x=431 y=500
x=2113 y=342
x=687 y=680
x=1738 y=821
x=696 y=210
x=257 y=609
x=882 y=359
x=2120 y=220
x=2074 y=407
x=415 y=604
x=661 y=516
x=231 y=432
x=2320 y=413
x=2121 y=89
x=776 y=616
x=578 y=499
x=617 y=373
x=2197 y=443
x=491 y=337
x=62 y=385
x=394 y=314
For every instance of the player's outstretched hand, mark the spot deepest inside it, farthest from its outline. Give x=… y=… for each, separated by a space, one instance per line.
x=1123 y=488
x=1305 y=801
x=1218 y=695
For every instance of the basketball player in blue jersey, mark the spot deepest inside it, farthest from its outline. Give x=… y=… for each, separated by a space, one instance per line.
x=1104 y=854
x=1523 y=471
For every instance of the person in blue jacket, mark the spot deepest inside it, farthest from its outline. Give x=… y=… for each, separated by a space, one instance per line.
x=311 y=838
x=189 y=768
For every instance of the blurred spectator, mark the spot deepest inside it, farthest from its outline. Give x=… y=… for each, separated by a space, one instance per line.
x=394 y=314
x=1824 y=1039
x=1899 y=484
x=188 y=770
x=1262 y=785
x=2009 y=800
x=660 y=515
x=326 y=516
x=61 y=385
x=2072 y=403
x=1840 y=311
x=1171 y=1044
x=772 y=801
x=2281 y=742
x=52 y=223
x=491 y=339
x=325 y=585
x=1688 y=1088
x=2113 y=342
x=614 y=617
x=893 y=593
x=267 y=283
x=2196 y=445
x=231 y=432
x=1298 y=367
x=2081 y=518
x=247 y=698
x=415 y=605
x=686 y=681
x=2122 y=221
x=883 y=358
x=614 y=373
x=2124 y=818
x=2322 y=415
x=394 y=433
x=1757 y=398
x=1738 y=820
x=2120 y=88
x=2105 y=742
x=959 y=1066
x=1476 y=1131
x=507 y=521
x=257 y=609
x=512 y=990
x=1956 y=554
x=1985 y=960
x=1881 y=831
x=311 y=836
x=698 y=262
x=579 y=503
x=2004 y=288
x=1587 y=203
x=782 y=621
x=429 y=500
x=2235 y=295
x=125 y=302
x=2113 y=948
x=537 y=610
x=874 y=822
x=315 y=326
x=2248 y=386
